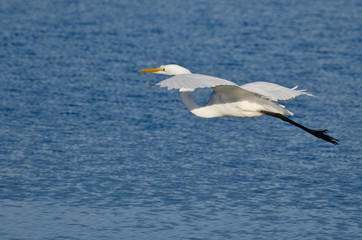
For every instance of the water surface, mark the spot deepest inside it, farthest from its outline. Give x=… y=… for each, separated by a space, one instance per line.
x=89 y=151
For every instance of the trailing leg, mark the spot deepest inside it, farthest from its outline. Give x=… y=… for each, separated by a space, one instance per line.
x=318 y=133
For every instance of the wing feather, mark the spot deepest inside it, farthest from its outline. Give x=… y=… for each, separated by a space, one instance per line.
x=274 y=91
x=192 y=81
x=268 y=90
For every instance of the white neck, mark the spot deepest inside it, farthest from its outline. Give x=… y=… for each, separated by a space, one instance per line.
x=187 y=99
x=207 y=111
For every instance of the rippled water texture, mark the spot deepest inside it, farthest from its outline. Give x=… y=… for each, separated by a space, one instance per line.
x=89 y=151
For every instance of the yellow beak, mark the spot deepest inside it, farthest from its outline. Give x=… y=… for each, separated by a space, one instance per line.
x=152 y=70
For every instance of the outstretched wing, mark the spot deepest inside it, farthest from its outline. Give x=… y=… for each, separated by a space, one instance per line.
x=270 y=91
x=192 y=81
x=274 y=91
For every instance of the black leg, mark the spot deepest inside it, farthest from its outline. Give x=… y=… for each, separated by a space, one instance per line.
x=318 y=133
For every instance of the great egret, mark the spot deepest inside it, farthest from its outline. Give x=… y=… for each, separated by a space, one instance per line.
x=228 y=99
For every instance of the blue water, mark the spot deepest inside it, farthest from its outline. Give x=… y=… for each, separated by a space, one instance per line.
x=89 y=151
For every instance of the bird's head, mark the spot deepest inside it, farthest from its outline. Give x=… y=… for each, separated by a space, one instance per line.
x=170 y=69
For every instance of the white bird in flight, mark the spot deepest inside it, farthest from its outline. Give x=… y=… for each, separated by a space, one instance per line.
x=229 y=99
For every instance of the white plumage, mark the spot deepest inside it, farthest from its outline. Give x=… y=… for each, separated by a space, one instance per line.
x=274 y=91
x=193 y=81
x=229 y=99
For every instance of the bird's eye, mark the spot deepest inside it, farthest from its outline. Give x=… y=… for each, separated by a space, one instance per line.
x=163 y=69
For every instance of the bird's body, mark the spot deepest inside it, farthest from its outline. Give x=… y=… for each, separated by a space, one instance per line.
x=229 y=99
